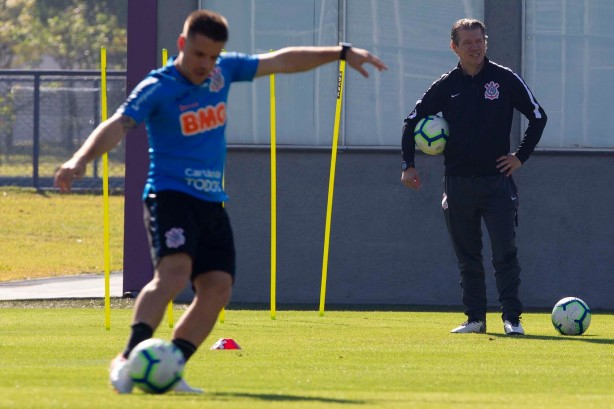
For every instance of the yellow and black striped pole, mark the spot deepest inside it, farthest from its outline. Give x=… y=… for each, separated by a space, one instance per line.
x=331 y=185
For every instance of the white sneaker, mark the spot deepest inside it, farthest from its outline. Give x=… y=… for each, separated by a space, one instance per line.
x=119 y=376
x=470 y=327
x=513 y=328
x=183 y=387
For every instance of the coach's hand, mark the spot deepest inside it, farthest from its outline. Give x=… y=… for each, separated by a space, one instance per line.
x=508 y=164
x=68 y=172
x=411 y=179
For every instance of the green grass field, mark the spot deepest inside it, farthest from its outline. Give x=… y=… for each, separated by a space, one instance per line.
x=48 y=234
x=56 y=353
x=58 y=357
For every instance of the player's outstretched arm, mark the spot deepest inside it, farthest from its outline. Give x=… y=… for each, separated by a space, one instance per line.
x=297 y=59
x=101 y=140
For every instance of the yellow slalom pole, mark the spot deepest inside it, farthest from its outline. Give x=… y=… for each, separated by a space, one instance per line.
x=331 y=185
x=222 y=315
x=273 y=200
x=169 y=309
x=105 y=194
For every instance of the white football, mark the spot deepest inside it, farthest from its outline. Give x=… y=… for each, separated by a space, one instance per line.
x=431 y=134
x=571 y=316
x=156 y=365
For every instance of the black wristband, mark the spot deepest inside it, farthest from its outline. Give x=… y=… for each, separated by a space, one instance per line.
x=344 y=50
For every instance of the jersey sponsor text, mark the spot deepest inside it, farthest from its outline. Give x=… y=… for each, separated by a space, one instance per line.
x=204 y=180
x=204 y=119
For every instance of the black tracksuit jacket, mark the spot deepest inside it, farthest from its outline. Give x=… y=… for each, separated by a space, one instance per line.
x=479 y=111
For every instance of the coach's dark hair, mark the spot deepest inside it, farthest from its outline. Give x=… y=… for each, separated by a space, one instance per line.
x=208 y=23
x=466 y=24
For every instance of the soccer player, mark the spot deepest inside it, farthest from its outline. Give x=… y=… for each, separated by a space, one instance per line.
x=478 y=99
x=184 y=107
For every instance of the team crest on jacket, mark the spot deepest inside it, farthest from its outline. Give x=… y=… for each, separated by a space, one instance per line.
x=217 y=80
x=492 y=90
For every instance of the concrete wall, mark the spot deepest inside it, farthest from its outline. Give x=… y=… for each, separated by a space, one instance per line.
x=389 y=245
x=171 y=15
x=503 y=20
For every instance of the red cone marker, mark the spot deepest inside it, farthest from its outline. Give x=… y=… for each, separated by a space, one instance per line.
x=226 y=343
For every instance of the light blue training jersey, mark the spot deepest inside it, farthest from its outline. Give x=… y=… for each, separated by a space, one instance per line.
x=186 y=125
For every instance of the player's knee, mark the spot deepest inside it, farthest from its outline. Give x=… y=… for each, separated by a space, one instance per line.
x=215 y=286
x=173 y=273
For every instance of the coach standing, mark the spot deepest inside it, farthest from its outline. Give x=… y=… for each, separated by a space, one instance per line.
x=478 y=99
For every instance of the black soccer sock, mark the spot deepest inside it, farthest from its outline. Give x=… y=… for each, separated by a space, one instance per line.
x=186 y=347
x=140 y=332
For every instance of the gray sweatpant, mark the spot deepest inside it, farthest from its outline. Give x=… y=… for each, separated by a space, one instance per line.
x=466 y=201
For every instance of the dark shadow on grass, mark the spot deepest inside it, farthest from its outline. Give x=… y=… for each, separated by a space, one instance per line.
x=42 y=193
x=577 y=338
x=256 y=306
x=282 y=398
x=345 y=307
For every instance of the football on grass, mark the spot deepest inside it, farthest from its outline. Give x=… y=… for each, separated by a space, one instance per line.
x=571 y=316
x=156 y=365
x=431 y=134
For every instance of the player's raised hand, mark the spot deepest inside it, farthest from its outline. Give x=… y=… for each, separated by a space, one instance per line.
x=356 y=57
